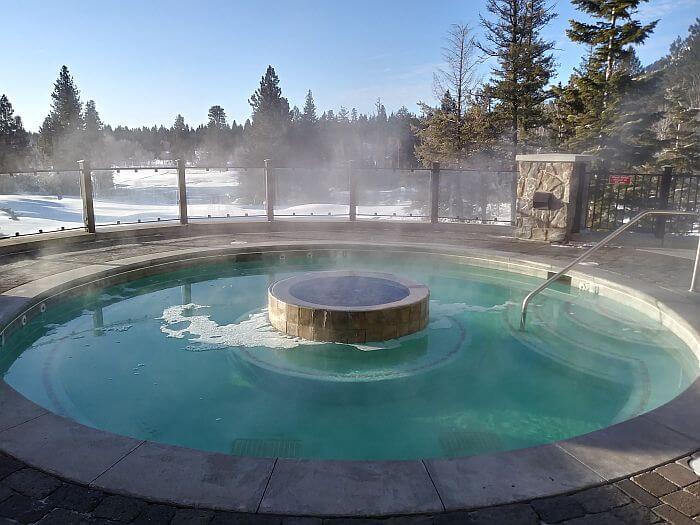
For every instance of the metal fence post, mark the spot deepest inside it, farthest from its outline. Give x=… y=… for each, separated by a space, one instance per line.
x=696 y=268
x=86 y=195
x=352 y=191
x=269 y=190
x=582 y=177
x=434 y=192
x=182 y=190
x=664 y=190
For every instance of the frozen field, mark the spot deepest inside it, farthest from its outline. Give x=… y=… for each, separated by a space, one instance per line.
x=32 y=213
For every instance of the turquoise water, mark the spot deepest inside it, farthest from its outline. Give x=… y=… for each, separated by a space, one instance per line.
x=188 y=358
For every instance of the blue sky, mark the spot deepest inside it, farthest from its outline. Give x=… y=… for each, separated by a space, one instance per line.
x=145 y=61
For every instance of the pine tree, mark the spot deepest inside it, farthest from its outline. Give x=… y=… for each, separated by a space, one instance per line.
x=61 y=134
x=217 y=118
x=14 y=140
x=216 y=136
x=93 y=131
x=613 y=121
x=309 y=113
x=270 y=121
x=180 y=146
x=681 y=140
x=679 y=129
x=524 y=64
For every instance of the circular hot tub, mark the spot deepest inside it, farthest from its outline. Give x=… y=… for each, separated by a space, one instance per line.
x=348 y=306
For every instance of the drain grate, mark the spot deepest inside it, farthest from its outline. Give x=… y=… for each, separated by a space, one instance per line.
x=267 y=448
x=465 y=443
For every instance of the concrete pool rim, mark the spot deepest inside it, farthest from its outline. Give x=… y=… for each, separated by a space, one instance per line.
x=313 y=487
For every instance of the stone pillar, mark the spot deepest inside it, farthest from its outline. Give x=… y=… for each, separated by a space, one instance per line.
x=564 y=177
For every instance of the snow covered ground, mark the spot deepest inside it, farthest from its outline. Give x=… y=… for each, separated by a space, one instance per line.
x=147 y=195
x=29 y=214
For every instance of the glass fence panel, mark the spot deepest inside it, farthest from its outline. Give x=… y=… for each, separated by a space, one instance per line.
x=38 y=202
x=476 y=196
x=306 y=192
x=133 y=195
x=220 y=193
x=389 y=193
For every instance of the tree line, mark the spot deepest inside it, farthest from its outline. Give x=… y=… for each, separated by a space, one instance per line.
x=629 y=115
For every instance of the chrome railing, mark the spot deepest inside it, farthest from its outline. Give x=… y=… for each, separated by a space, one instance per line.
x=603 y=242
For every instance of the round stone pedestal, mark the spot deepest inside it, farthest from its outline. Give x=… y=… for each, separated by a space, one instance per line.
x=348 y=306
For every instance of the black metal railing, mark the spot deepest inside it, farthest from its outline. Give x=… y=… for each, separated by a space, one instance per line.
x=614 y=198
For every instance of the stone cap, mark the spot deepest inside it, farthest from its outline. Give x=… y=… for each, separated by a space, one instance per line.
x=556 y=157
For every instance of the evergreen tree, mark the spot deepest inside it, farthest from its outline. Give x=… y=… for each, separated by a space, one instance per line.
x=180 y=146
x=270 y=121
x=613 y=121
x=61 y=134
x=681 y=140
x=679 y=128
x=309 y=113
x=217 y=118
x=93 y=132
x=524 y=64
x=217 y=136
x=14 y=140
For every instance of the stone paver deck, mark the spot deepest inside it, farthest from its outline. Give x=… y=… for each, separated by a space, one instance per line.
x=669 y=493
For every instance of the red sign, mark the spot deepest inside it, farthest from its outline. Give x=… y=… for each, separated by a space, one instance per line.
x=621 y=179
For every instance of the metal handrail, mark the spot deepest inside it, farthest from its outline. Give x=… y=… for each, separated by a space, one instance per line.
x=603 y=242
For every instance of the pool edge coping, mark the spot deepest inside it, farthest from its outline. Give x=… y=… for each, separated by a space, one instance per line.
x=443 y=480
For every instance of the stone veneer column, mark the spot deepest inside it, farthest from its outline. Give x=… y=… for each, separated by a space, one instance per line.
x=562 y=175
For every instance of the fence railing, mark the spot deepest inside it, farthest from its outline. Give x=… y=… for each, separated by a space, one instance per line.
x=614 y=198
x=93 y=197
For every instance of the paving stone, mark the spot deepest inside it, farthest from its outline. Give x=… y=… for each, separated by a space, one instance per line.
x=678 y=474
x=301 y=520
x=349 y=488
x=673 y=516
x=119 y=508
x=240 y=518
x=75 y=497
x=634 y=513
x=451 y=518
x=23 y=509
x=8 y=465
x=192 y=517
x=599 y=499
x=156 y=514
x=518 y=514
x=687 y=503
x=5 y=492
x=694 y=488
x=559 y=508
x=638 y=493
x=406 y=520
x=32 y=483
x=604 y=518
x=70 y=517
x=355 y=521
x=655 y=484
